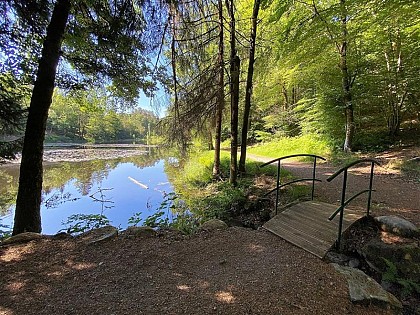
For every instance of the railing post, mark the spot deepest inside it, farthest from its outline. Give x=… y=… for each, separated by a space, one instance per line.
x=278 y=184
x=313 y=179
x=370 y=188
x=343 y=200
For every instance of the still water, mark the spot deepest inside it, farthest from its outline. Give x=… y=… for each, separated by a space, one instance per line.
x=116 y=188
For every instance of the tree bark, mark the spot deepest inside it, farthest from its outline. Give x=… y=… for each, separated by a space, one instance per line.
x=220 y=97
x=234 y=96
x=248 y=91
x=234 y=113
x=346 y=85
x=28 y=202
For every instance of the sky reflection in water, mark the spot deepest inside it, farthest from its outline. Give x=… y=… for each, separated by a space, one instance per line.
x=71 y=188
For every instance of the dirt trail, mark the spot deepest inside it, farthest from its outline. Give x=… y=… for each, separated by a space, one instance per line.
x=395 y=194
x=234 y=271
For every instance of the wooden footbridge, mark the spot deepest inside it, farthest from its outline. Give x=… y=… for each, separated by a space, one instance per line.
x=316 y=226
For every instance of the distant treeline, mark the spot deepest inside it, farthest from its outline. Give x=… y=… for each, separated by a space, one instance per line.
x=94 y=117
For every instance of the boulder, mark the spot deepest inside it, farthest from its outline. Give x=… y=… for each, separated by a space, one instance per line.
x=99 y=235
x=140 y=231
x=22 y=238
x=62 y=236
x=397 y=226
x=364 y=290
x=406 y=257
x=213 y=224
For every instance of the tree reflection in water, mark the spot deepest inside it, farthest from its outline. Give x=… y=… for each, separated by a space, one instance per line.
x=91 y=187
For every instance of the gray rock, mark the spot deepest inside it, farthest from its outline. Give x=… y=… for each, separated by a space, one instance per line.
x=140 y=231
x=99 y=235
x=62 y=236
x=397 y=226
x=22 y=238
x=337 y=258
x=354 y=263
x=213 y=224
x=364 y=290
x=406 y=257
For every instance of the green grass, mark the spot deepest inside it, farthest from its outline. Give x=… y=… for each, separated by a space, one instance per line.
x=207 y=198
x=309 y=144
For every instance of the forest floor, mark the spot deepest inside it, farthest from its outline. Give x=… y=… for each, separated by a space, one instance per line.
x=233 y=271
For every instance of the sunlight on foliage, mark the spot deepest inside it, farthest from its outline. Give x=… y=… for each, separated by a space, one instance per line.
x=310 y=144
x=80 y=223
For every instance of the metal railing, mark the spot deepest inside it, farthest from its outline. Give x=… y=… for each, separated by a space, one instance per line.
x=313 y=179
x=345 y=202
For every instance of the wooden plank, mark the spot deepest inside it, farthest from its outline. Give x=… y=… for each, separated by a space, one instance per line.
x=306 y=225
x=311 y=226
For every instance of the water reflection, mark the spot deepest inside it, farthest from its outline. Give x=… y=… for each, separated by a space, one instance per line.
x=117 y=188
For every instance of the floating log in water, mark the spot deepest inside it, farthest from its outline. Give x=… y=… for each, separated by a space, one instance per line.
x=138 y=183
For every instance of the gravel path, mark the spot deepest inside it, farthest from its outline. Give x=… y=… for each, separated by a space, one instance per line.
x=235 y=271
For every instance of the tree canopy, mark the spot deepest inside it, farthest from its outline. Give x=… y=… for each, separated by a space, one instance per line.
x=343 y=70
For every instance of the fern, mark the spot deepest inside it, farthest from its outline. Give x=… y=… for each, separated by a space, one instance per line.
x=391 y=275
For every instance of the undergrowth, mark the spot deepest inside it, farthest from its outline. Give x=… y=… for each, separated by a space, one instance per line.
x=310 y=144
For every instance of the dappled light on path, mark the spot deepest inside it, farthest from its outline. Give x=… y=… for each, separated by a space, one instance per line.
x=236 y=271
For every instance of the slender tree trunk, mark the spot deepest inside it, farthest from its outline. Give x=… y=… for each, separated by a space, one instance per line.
x=397 y=90
x=248 y=91
x=234 y=114
x=220 y=97
x=28 y=202
x=234 y=95
x=346 y=85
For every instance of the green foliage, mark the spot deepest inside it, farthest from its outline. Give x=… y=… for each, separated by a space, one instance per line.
x=205 y=198
x=298 y=191
x=80 y=223
x=13 y=95
x=412 y=168
x=135 y=219
x=185 y=222
x=5 y=231
x=157 y=220
x=172 y=213
x=8 y=191
x=392 y=275
x=311 y=144
x=197 y=169
x=92 y=116
x=221 y=201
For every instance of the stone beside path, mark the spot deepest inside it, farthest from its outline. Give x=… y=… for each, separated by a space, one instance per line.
x=397 y=225
x=364 y=290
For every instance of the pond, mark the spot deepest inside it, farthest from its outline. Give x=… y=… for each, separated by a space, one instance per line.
x=117 y=188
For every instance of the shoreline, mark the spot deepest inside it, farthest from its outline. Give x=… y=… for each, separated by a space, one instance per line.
x=76 y=153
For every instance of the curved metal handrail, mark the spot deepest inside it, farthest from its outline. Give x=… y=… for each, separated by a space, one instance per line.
x=345 y=202
x=346 y=167
x=278 y=186
x=292 y=156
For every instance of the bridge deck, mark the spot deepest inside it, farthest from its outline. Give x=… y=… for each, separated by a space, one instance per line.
x=306 y=225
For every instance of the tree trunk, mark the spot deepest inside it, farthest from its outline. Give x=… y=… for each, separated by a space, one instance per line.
x=234 y=96
x=234 y=113
x=28 y=202
x=248 y=91
x=220 y=97
x=346 y=85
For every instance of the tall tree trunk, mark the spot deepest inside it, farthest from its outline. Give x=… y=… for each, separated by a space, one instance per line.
x=234 y=114
x=397 y=90
x=220 y=97
x=234 y=95
x=28 y=202
x=248 y=91
x=346 y=85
